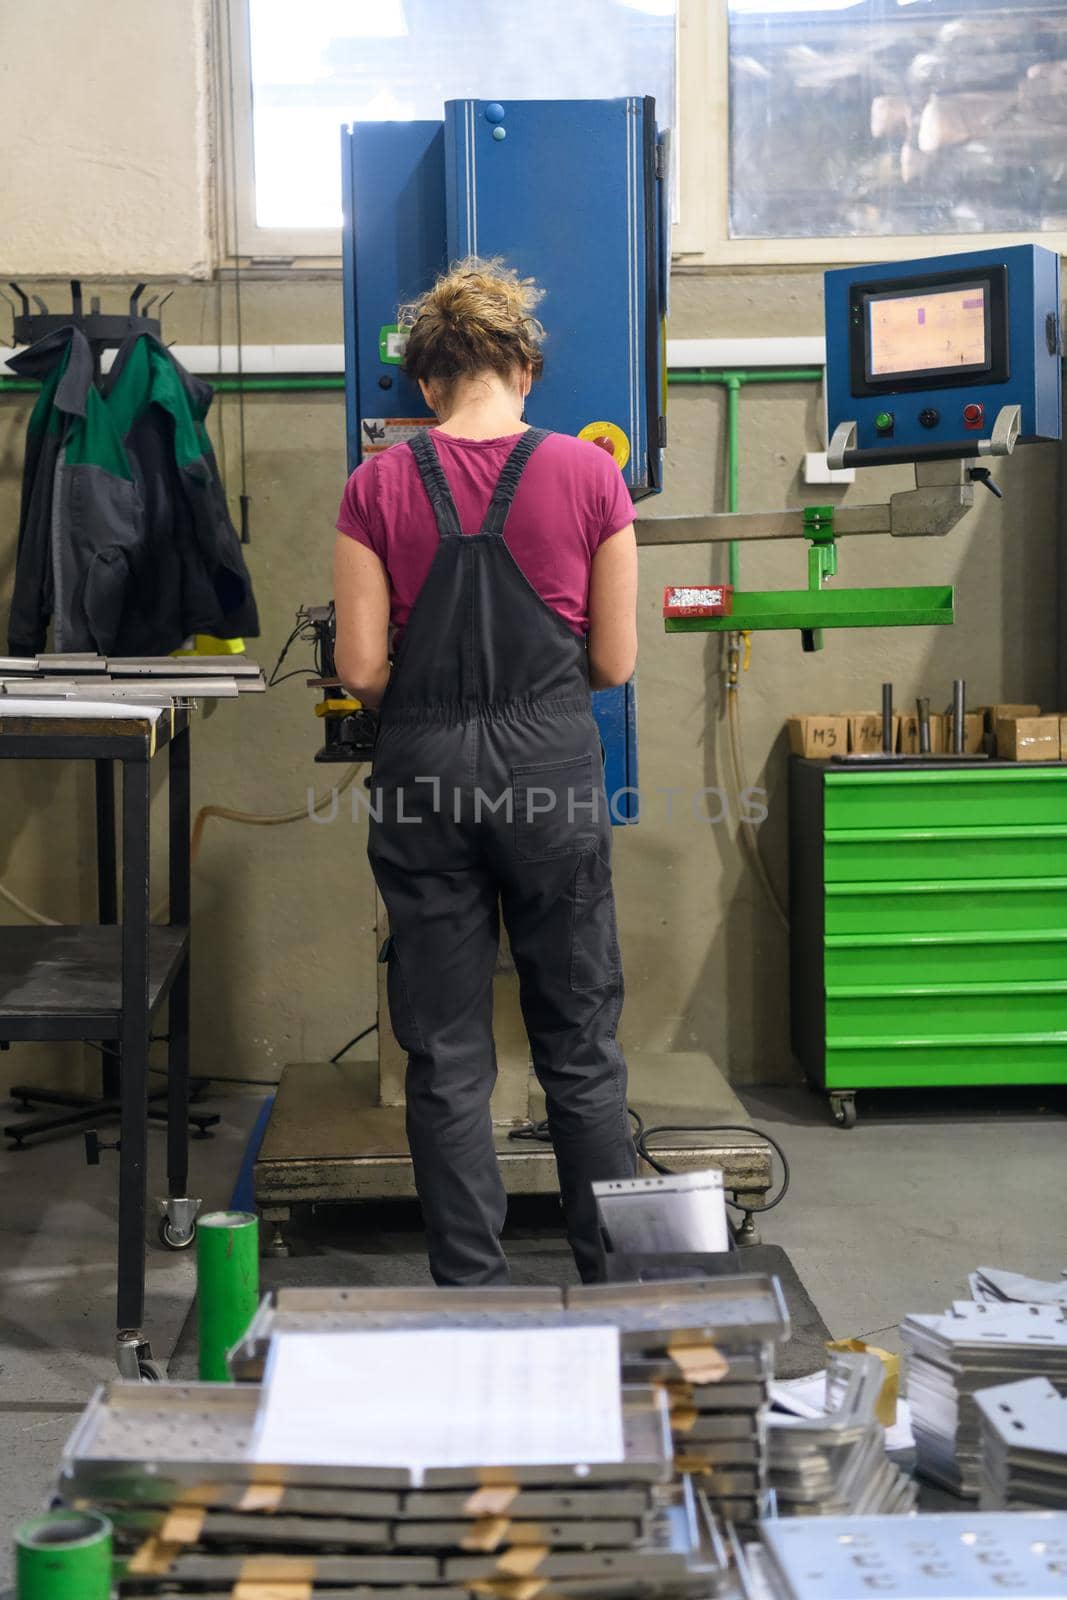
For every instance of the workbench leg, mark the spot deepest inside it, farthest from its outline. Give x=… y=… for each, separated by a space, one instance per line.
x=107 y=893
x=133 y=1174
x=178 y=1010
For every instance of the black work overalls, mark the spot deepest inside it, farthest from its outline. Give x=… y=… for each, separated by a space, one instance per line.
x=489 y=791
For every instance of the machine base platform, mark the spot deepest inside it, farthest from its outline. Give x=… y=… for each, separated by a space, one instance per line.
x=328 y=1139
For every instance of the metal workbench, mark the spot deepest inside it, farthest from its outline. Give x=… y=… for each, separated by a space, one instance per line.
x=105 y=982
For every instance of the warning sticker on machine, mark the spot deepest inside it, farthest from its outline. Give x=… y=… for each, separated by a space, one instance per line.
x=379 y=433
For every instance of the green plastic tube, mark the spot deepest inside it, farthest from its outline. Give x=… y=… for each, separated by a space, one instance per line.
x=64 y=1555
x=227 y=1286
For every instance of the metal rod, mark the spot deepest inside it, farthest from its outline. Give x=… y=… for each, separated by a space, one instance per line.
x=887 y=719
x=922 y=708
x=959 y=714
x=107 y=894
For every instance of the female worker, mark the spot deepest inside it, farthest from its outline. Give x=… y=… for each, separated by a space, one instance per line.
x=506 y=559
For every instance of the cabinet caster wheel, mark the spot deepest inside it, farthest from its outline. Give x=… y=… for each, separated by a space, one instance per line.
x=843 y=1107
x=171 y=1238
x=151 y=1371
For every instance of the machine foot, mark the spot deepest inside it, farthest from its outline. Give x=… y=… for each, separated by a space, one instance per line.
x=843 y=1107
x=177 y=1222
x=748 y=1233
x=134 y=1359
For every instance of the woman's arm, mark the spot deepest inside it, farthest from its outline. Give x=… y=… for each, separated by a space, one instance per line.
x=613 y=611
x=361 y=598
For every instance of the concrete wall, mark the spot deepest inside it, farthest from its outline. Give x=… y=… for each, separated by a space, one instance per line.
x=284 y=965
x=105 y=115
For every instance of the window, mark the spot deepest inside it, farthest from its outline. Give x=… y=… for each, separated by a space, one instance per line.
x=300 y=71
x=867 y=128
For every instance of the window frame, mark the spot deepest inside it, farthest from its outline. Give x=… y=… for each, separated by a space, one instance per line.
x=702 y=238
x=241 y=236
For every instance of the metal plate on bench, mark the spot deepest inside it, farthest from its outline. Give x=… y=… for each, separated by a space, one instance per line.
x=951 y=1556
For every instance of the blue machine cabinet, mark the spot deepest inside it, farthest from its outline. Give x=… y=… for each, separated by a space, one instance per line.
x=569 y=192
x=923 y=357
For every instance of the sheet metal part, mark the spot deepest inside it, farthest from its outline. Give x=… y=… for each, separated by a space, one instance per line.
x=137 y=1443
x=649 y=1316
x=1024 y=1446
x=952 y=1556
x=951 y=1357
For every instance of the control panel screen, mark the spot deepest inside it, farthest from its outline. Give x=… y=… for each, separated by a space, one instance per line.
x=928 y=332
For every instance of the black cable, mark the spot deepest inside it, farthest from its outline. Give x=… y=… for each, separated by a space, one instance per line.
x=297 y=672
x=538 y=1133
x=345 y=1048
x=641 y=1141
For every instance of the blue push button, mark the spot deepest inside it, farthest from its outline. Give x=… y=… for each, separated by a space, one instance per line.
x=494 y=111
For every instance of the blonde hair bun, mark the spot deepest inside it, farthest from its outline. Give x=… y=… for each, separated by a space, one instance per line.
x=478 y=316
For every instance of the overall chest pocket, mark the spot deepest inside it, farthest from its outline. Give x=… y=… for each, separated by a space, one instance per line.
x=558 y=808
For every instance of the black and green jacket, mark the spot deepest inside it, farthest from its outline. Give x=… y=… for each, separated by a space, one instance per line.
x=125 y=541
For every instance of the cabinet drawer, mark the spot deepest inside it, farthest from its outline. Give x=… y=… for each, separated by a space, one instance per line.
x=1010 y=905
x=1008 y=1013
x=992 y=1062
x=1014 y=797
x=922 y=960
x=879 y=856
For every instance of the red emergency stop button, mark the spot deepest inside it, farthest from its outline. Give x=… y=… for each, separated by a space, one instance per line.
x=604 y=442
x=973 y=415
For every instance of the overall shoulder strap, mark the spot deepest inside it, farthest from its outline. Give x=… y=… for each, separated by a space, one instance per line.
x=504 y=493
x=435 y=483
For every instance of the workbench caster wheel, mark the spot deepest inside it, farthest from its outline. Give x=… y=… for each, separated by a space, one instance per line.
x=843 y=1107
x=151 y=1372
x=173 y=1238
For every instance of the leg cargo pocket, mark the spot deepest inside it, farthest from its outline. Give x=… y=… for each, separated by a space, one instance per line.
x=595 y=959
x=401 y=1014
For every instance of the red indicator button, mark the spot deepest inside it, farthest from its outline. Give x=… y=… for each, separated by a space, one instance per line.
x=973 y=415
x=605 y=443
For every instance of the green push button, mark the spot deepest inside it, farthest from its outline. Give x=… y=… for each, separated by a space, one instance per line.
x=884 y=422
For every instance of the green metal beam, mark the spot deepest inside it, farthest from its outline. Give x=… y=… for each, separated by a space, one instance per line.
x=924 y=606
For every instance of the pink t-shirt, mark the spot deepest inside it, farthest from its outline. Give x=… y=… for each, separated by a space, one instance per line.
x=571 y=497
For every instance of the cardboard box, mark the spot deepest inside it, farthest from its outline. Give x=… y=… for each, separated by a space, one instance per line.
x=818 y=736
x=973 y=733
x=995 y=714
x=909 y=734
x=1028 y=738
x=865 y=732
x=1063 y=738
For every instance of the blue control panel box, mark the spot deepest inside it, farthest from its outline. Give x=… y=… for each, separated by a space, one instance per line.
x=923 y=356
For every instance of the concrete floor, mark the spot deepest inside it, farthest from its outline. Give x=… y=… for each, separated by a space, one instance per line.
x=880 y=1221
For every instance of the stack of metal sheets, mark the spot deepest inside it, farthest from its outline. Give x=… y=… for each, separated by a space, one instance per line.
x=195 y=1513
x=136 y=678
x=707 y=1343
x=1024 y=1446
x=955 y=1556
x=836 y=1465
x=973 y=1346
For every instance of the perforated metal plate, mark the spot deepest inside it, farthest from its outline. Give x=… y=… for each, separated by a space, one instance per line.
x=958 y=1556
x=147 y=1443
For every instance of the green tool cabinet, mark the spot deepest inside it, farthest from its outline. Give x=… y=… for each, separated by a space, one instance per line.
x=928 y=909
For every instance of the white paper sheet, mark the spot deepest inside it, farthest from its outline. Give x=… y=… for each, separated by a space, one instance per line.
x=442 y=1398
